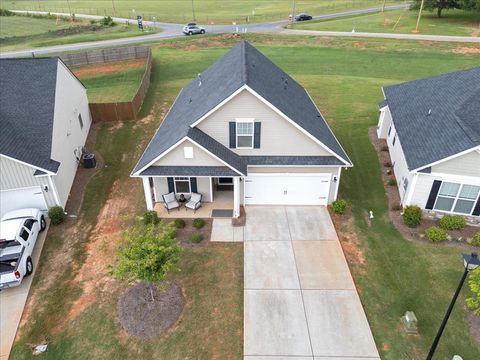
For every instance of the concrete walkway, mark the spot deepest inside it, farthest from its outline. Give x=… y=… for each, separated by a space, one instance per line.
x=12 y=302
x=300 y=301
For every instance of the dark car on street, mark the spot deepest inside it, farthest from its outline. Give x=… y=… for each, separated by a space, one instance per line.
x=302 y=17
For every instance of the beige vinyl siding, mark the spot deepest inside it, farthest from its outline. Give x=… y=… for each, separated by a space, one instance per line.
x=422 y=190
x=161 y=187
x=176 y=157
x=14 y=175
x=466 y=165
x=400 y=167
x=333 y=171
x=278 y=136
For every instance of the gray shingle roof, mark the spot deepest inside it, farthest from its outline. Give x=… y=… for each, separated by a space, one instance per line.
x=243 y=65
x=188 y=171
x=293 y=160
x=452 y=126
x=27 y=102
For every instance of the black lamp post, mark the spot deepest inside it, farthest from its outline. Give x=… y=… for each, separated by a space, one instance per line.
x=470 y=262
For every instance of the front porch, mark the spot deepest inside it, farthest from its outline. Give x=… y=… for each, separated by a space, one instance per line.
x=220 y=196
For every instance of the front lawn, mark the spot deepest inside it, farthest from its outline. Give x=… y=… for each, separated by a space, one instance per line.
x=344 y=76
x=452 y=22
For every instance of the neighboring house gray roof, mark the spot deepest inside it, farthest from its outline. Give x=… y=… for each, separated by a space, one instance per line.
x=293 y=160
x=453 y=125
x=243 y=65
x=27 y=103
x=188 y=171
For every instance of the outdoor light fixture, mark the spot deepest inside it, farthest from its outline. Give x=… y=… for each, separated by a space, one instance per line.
x=470 y=262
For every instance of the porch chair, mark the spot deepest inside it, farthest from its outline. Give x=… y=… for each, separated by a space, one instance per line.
x=195 y=202
x=170 y=202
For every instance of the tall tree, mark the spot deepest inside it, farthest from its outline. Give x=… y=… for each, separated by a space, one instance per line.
x=439 y=5
x=470 y=5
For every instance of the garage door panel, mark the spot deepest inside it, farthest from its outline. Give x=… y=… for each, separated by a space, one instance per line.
x=31 y=197
x=287 y=190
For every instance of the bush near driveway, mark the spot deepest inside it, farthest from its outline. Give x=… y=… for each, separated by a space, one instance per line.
x=150 y=217
x=436 y=234
x=56 y=214
x=412 y=216
x=339 y=206
x=197 y=237
x=179 y=223
x=452 y=222
x=198 y=223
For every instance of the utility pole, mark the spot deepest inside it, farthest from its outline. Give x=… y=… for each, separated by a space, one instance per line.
x=38 y=4
x=419 y=15
x=69 y=8
x=193 y=11
x=293 y=12
x=383 y=6
x=113 y=5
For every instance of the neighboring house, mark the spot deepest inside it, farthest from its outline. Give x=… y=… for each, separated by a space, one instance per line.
x=44 y=120
x=432 y=128
x=244 y=125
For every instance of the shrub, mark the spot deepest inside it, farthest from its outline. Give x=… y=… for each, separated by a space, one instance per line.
x=198 y=223
x=396 y=207
x=412 y=216
x=452 y=222
x=476 y=239
x=384 y=148
x=436 y=234
x=473 y=301
x=196 y=237
x=5 y=12
x=56 y=214
x=392 y=182
x=179 y=223
x=107 y=21
x=339 y=206
x=387 y=164
x=150 y=217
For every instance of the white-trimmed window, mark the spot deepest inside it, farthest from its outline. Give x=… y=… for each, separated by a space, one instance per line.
x=245 y=130
x=457 y=198
x=188 y=152
x=182 y=185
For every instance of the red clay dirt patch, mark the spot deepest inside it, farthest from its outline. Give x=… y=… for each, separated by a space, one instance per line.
x=466 y=50
x=110 y=68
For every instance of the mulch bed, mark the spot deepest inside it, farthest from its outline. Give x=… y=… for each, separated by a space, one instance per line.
x=184 y=235
x=474 y=325
x=141 y=317
x=415 y=234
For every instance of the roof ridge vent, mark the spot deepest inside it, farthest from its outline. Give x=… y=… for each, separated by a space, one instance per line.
x=429 y=112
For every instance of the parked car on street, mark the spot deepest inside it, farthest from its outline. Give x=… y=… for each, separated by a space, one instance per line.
x=303 y=17
x=19 y=231
x=192 y=29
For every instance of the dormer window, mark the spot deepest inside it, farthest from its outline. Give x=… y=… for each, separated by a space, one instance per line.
x=245 y=133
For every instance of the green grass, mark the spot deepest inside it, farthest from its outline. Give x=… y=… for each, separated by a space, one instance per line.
x=452 y=22
x=118 y=85
x=206 y=11
x=26 y=32
x=344 y=76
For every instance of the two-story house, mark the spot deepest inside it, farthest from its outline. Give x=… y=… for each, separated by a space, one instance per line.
x=44 y=121
x=244 y=127
x=432 y=128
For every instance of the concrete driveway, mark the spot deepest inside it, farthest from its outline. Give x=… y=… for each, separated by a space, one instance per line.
x=300 y=300
x=12 y=302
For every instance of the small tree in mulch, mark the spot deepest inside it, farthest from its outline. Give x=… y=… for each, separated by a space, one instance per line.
x=148 y=254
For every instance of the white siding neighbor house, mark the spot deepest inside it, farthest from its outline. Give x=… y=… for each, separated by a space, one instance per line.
x=432 y=128
x=45 y=121
x=246 y=130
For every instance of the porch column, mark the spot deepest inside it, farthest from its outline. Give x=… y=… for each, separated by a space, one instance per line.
x=148 y=193
x=236 y=197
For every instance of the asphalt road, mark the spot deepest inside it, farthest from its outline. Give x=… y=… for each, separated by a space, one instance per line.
x=170 y=30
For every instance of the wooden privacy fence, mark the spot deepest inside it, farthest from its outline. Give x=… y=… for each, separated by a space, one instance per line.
x=116 y=111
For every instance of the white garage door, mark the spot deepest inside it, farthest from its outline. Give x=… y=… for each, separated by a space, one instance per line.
x=31 y=197
x=287 y=190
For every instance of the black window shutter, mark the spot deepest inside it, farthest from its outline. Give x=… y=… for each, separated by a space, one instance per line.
x=433 y=194
x=193 y=185
x=233 y=134
x=476 y=210
x=257 y=134
x=171 y=187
